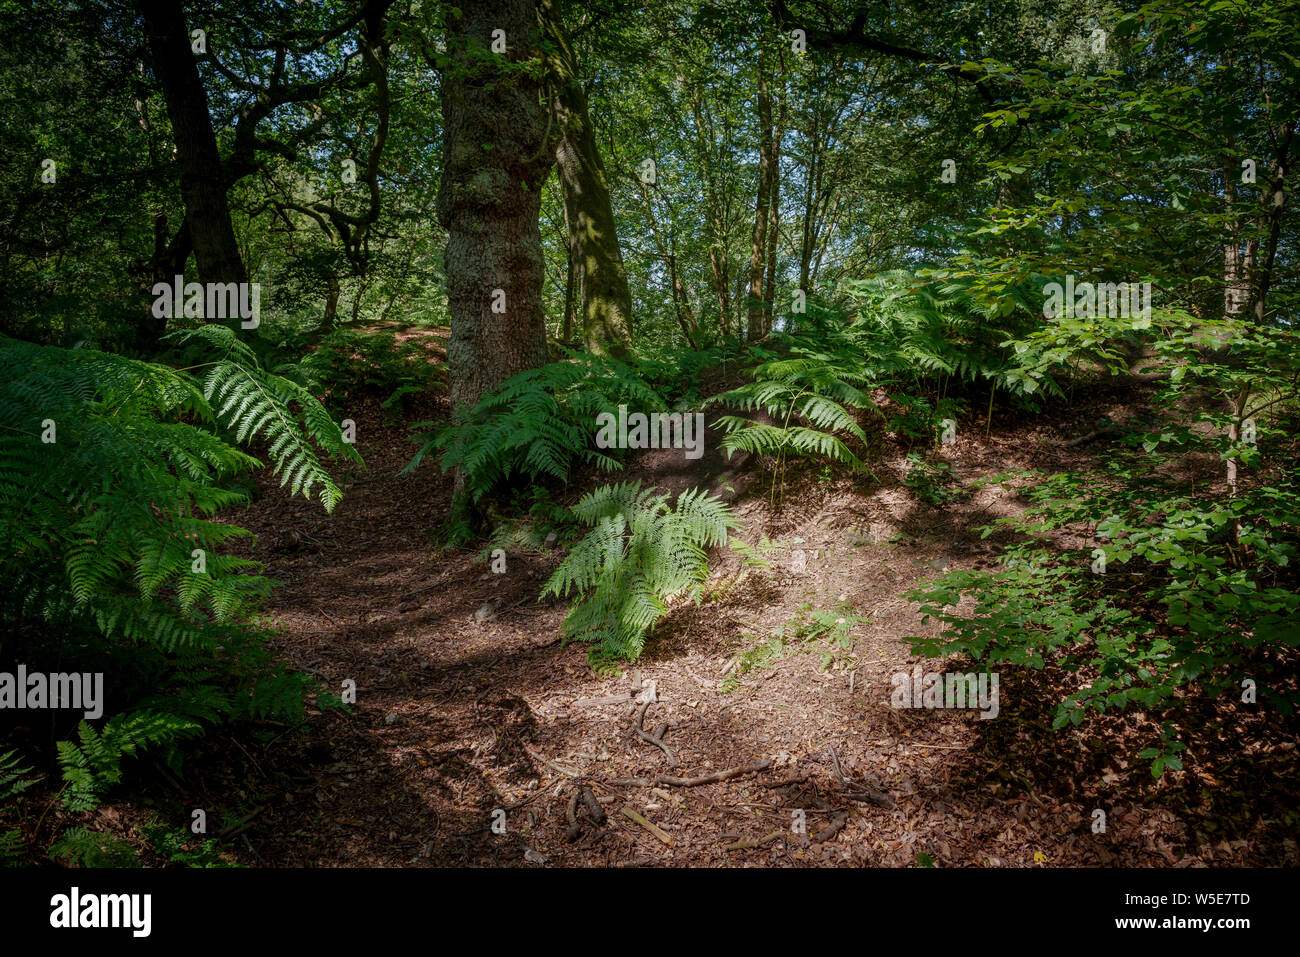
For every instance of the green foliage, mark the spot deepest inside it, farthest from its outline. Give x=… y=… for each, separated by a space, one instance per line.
x=917 y=420
x=255 y=404
x=348 y=363
x=94 y=764
x=172 y=844
x=751 y=556
x=677 y=372
x=1165 y=753
x=11 y=848
x=111 y=559
x=818 y=624
x=760 y=656
x=529 y=522
x=931 y=481
x=640 y=554
x=81 y=847
x=808 y=626
x=15 y=778
x=808 y=391
x=913 y=329
x=1198 y=588
x=537 y=424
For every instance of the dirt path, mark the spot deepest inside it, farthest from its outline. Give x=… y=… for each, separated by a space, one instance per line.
x=468 y=705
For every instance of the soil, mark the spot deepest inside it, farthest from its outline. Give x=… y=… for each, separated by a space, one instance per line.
x=469 y=705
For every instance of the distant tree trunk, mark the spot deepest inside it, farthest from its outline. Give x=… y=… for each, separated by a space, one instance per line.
x=168 y=261
x=202 y=180
x=758 y=316
x=603 y=296
x=773 y=218
x=489 y=199
x=331 y=302
x=682 y=303
x=1248 y=280
x=570 y=287
x=667 y=251
x=808 y=237
x=1275 y=199
x=719 y=264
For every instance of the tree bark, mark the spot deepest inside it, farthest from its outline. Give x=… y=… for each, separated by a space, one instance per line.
x=489 y=198
x=202 y=180
x=603 y=296
x=331 y=302
x=773 y=216
x=668 y=253
x=719 y=263
x=758 y=315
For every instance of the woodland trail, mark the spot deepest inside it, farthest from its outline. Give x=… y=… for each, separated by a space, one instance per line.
x=468 y=704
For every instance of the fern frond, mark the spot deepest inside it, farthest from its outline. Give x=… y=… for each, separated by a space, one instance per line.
x=640 y=554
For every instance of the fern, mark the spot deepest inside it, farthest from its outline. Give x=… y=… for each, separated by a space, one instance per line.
x=81 y=847
x=640 y=555
x=808 y=393
x=14 y=776
x=12 y=848
x=537 y=423
x=256 y=404
x=349 y=363
x=915 y=329
x=112 y=471
x=94 y=764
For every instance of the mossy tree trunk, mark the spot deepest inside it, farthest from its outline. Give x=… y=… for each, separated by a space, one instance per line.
x=603 y=298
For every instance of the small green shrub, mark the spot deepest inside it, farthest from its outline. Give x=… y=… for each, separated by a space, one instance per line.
x=1197 y=591
x=932 y=482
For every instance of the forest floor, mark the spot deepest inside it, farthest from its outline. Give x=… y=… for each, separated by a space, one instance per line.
x=467 y=702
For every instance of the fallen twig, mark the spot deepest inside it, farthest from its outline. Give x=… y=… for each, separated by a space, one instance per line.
x=860 y=792
x=649 y=739
x=627 y=811
x=751 y=768
x=799 y=778
x=751 y=842
x=837 y=822
x=667 y=780
x=609 y=699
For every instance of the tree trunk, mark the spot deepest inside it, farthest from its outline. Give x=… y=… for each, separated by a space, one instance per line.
x=167 y=262
x=773 y=217
x=331 y=302
x=1236 y=283
x=203 y=183
x=570 y=286
x=603 y=296
x=808 y=238
x=758 y=316
x=719 y=264
x=489 y=199
x=1275 y=197
x=668 y=253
